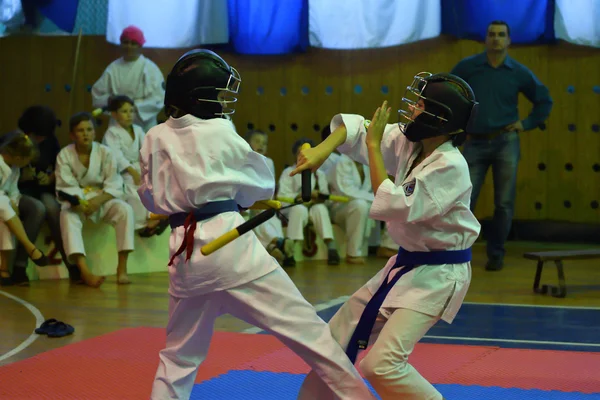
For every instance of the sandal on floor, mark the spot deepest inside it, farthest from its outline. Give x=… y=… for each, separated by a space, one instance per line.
x=60 y=329
x=333 y=257
x=46 y=326
x=40 y=262
x=6 y=280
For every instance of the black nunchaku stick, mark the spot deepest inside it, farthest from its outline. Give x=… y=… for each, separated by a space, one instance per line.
x=74 y=200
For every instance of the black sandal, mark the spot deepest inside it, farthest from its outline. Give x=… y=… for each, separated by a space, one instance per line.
x=5 y=280
x=40 y=262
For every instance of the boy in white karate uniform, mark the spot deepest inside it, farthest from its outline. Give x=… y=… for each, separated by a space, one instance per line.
x=428 y=215
x=291 y=187
x=87 y=170
x=270 y=233
x=351 y=179
x=125 y=140
x=135 y=76
x=199 y=171
x=17 y=151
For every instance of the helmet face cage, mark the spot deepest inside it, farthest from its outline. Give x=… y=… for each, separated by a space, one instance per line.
x=226 y=96
x=413 y=94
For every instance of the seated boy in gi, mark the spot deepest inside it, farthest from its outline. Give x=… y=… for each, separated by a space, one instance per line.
x=298 y=216
x=428 y=215
x=197 y=170
x=87 y=170
x=351 y=179
x=270 y=233
x=16 y=152
x=125 y=140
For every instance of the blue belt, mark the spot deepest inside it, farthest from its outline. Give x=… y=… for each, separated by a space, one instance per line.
x=189 y=220
x=408 y=259
x=206 y=211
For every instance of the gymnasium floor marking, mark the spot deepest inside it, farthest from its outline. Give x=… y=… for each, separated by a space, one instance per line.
x=508 y=325
x=39 y=318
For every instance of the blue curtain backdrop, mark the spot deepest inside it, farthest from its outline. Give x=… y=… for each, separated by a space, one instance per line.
x=289 y=26
x=268 y=26
x=62 y=12
x=530 y=21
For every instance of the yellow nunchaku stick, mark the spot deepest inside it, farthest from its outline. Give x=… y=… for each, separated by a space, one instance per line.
x=252 y=223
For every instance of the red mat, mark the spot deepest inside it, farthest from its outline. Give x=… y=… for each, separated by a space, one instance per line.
x=121 y=365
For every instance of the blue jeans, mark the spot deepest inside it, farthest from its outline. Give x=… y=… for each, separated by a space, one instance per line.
x=502 y=153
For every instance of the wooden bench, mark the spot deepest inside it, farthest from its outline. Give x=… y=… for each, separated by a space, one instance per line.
x=557 y=257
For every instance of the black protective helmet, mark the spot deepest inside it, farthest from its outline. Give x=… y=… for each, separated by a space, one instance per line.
x=202 y=84
x=450 y=107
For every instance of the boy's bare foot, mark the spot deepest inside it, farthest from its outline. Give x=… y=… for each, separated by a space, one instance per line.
x=384 y=252
x=355 y=260
x=92 y=280
x=123 y=279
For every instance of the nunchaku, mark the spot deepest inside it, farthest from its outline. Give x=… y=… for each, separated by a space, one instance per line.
x=272 y=207
x=73 y=200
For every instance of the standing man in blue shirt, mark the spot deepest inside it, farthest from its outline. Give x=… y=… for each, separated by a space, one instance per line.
x=497 y=79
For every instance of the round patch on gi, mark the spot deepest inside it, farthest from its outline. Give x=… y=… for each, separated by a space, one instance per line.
x=409 y=188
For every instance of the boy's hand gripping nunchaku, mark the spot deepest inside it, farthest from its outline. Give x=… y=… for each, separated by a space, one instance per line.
x=272 y=207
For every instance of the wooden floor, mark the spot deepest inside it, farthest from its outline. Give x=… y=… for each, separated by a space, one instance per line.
x=95 y=312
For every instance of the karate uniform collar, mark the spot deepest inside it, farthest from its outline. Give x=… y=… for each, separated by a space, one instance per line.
x=188 y=120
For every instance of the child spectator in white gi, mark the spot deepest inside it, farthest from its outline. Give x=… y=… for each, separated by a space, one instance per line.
x=351 y=179
x=199 y=171
x=427 y=210
x=132 y=75
x=125 y=139
x=291 y=187
x=16 y=152
x=88 y=171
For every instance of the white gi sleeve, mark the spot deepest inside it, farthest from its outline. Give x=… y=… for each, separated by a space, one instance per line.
x=286 y=185
x=150 y=105
x=113 y=182
x=145 y=189
x=262 y=184
x=101 y=90
x=322 y=182
x=12 y=190
x=355 y=146
x=344 y=183
x=113 y=142
x=65 y=179
x=432 y=192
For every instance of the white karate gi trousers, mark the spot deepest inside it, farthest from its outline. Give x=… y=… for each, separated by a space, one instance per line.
x=115 y=212
x=299 y=216
x=353 y=217
x=386 y=365
x=131 y=196
x=7 y=240
x=272 y=303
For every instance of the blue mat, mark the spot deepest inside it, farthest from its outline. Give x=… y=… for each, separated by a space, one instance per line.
x=253 y=385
